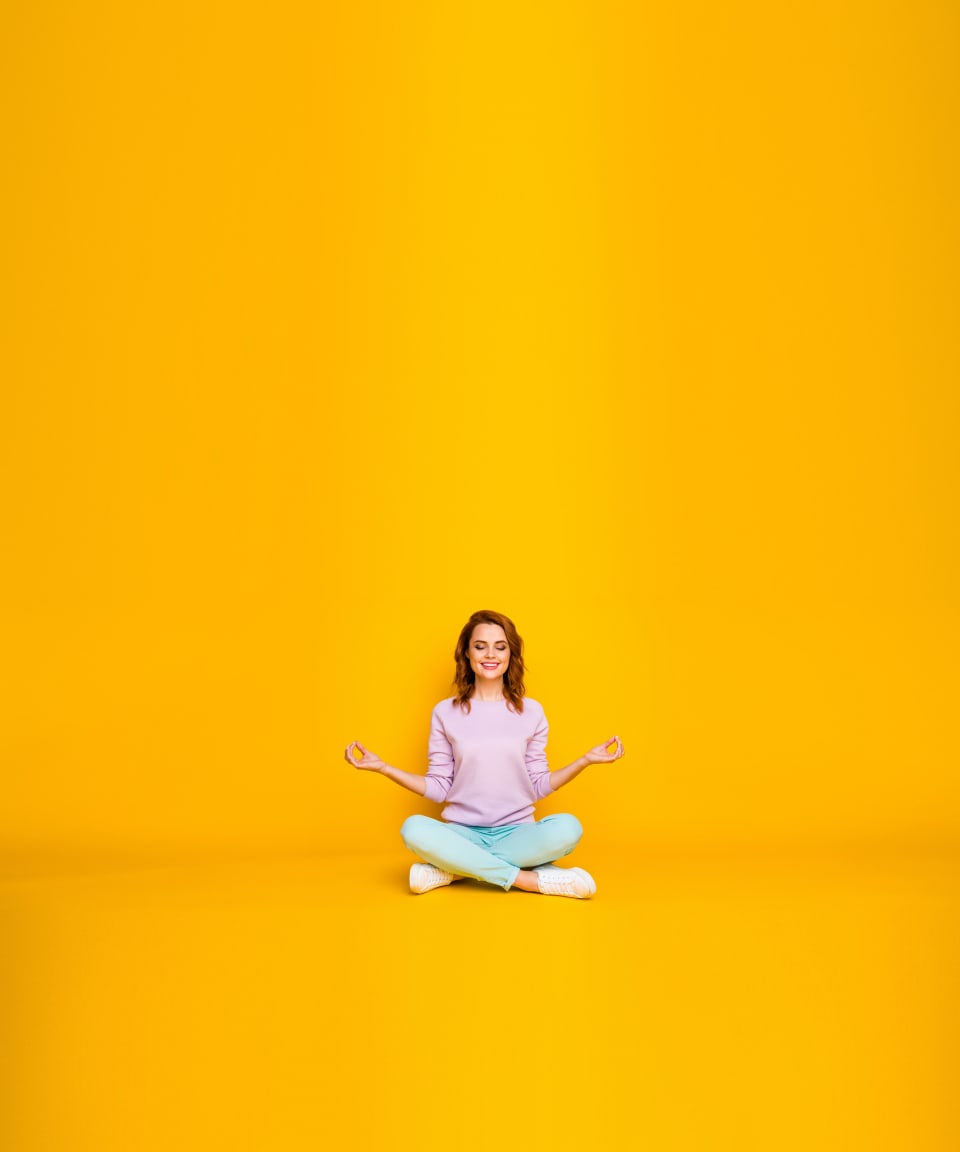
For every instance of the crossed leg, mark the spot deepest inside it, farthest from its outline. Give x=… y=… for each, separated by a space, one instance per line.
x=501 y=859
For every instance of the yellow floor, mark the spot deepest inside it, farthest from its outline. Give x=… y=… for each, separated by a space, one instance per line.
x=792 y=1003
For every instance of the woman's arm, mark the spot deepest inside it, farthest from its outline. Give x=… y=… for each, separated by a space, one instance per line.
x=597 y=755
x=371 y=762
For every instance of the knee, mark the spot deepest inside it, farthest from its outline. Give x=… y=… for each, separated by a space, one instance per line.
x=414 y=829
x=567 y=828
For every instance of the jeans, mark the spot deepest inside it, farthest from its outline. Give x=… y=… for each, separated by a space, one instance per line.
x=495 y=855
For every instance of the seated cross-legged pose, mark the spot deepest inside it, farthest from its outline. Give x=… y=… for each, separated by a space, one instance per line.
x=488 y=766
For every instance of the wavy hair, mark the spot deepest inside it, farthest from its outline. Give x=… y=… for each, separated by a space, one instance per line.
x=465 y=679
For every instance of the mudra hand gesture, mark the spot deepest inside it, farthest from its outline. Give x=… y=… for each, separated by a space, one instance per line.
x=368 y=760
x=601 y=754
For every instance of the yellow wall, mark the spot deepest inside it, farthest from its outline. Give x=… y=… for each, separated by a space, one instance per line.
x=325 y=325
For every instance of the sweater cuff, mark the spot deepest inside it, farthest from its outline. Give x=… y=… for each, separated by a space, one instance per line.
x=433 y=790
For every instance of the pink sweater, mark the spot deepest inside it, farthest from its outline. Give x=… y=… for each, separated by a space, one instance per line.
x=488 y=765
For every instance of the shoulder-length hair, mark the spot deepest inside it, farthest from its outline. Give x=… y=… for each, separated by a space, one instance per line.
x=465 y=680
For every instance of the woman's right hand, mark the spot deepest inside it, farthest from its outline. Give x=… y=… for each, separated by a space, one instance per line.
x=369 y=761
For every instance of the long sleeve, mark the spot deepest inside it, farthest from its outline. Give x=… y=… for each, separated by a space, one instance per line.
x=488 y=765
x=440 y=752
x=535 y=759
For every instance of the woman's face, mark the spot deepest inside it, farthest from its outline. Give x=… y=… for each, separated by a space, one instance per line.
x=488 y=652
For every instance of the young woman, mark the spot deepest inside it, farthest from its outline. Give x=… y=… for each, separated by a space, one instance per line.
x=489 y=767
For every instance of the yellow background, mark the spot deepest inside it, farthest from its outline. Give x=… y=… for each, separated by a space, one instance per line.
x=325 y=325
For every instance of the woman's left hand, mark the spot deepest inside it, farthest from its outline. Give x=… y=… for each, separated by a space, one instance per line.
x=602 y=754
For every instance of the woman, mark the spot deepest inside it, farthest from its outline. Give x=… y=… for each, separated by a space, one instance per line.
x=489 y=767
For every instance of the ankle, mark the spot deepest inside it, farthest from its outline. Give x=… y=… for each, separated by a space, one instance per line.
x=527 y=881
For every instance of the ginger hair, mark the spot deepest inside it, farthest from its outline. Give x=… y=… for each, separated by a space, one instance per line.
x=465 y=679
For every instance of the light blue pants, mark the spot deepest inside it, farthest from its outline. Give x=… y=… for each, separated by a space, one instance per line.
x=492 y=854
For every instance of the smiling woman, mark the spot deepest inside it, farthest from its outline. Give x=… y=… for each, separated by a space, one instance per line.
x=489 y=659
x=488 y=767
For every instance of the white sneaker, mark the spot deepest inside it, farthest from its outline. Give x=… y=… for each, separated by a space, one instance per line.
x=565 y=882
x=424 y=877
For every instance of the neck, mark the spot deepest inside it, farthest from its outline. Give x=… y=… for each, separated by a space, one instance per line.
x=488 y=692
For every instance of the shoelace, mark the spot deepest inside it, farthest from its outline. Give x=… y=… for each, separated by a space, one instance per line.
x=556 y=883
x=430 y=874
